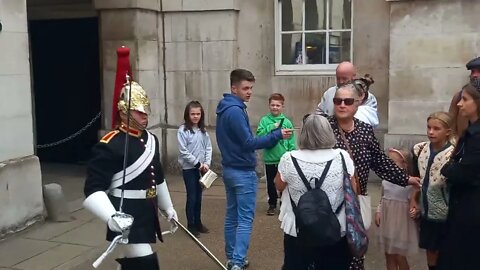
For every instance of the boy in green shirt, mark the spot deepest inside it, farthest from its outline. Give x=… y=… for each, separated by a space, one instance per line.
x=272 y=156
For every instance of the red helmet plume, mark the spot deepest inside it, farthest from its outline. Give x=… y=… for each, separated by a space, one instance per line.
x=123 y=68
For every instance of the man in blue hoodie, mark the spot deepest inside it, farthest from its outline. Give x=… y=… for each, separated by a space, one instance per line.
x=237 y=145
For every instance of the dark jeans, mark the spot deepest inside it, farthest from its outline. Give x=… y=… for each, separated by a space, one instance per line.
x=271 y=171
x=193 y=207
x=336 y=257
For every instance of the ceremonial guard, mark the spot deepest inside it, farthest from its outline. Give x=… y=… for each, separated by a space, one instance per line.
x=129 y=168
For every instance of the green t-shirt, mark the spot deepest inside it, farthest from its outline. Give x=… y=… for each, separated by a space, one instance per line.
x=266 y=125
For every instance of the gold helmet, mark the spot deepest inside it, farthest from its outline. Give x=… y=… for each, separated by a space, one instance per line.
x=139 y=99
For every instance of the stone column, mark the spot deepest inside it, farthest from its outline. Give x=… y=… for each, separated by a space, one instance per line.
x=134 y=24
x=21 y=202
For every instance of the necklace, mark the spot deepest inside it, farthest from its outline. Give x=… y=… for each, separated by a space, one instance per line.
x=349 y=129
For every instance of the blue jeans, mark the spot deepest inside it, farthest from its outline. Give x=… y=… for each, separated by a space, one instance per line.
x=193 y=207
x=241 y=188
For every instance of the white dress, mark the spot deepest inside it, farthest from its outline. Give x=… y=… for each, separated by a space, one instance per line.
x=397 y=233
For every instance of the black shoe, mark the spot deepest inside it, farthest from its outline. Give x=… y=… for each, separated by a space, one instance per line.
x=202 y=229
x=194 y=231
x=149 y=262
x=271 y=210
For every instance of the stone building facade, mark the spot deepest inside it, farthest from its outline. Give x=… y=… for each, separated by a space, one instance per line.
x=21 y=202
x=183 y=50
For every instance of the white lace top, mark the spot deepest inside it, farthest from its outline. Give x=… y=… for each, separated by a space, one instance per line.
x=312 y=163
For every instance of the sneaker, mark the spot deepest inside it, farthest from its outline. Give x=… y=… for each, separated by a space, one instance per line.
x=236 y=267
x=271 y=210
x=202 y=229
x=246 y=263
x=229 y=265
x=194 y=231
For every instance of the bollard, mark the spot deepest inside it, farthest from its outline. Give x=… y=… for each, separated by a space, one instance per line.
x=55 y=203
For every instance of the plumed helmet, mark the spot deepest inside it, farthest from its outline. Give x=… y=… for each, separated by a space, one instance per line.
x=139 y=99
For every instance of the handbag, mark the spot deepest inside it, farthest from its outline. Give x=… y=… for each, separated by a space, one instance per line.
x=364 y=200
x=356 y=233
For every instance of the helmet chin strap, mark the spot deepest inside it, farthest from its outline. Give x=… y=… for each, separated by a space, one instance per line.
x=133 y=123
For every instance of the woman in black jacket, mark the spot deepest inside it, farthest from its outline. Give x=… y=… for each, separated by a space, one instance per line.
x=460 y=248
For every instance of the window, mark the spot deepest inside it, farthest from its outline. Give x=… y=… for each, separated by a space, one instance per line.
x=312 y=36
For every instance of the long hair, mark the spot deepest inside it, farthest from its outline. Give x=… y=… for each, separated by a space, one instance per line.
x=186 y=116
x=447 y=122
x=473 y=89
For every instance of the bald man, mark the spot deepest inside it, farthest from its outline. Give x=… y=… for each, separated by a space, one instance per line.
x=345 y=73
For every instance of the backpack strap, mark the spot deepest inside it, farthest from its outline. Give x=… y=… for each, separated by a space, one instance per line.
x=318 y=182
x=339 y=208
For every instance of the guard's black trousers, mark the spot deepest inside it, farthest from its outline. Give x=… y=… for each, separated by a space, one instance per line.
x=149 y=262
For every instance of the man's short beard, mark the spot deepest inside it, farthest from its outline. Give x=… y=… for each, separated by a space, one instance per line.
x=475 y=82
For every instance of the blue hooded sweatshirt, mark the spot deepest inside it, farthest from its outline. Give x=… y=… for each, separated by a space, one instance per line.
x=235 y=139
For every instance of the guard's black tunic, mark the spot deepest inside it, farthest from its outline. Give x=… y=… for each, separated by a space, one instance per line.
x=106 y=161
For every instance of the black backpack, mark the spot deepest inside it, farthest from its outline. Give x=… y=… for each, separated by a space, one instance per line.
x=317 y=225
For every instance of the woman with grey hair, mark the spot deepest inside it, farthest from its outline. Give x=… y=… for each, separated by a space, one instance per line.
x=315 y=143
x=359 y=140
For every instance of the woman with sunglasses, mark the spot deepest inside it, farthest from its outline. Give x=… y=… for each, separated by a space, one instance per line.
x=359 y=140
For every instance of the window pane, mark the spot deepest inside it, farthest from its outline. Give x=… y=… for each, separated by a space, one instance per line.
x=340 y=14
x=291 y=15
x=291 y=49
x=315 y=48
x=315 y=14
x=339 y=47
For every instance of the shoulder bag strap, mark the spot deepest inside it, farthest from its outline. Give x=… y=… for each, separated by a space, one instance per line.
x=345 y=174
x=350 y=152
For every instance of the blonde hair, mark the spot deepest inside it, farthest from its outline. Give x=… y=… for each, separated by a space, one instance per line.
x=447 y=120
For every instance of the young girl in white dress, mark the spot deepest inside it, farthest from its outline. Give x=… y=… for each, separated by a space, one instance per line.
x=397 y=231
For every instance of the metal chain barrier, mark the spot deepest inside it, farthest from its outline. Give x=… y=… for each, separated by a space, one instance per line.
x=71 y=136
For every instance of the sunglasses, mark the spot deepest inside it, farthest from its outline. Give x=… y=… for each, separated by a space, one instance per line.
x=346 y=101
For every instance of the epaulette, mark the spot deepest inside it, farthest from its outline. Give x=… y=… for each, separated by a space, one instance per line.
x=109 y=136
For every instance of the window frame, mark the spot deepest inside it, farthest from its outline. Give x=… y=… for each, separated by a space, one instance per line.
x=306 y=69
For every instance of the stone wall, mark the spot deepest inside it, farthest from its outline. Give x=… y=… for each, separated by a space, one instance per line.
x=431 y=41
x=205 y=40
x=20 y=180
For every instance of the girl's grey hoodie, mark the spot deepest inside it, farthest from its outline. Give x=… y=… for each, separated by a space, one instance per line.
x=195 y=147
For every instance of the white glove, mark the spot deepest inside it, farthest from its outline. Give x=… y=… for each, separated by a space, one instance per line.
x=165 y=202
x=113 y=225
x=171 y=213
x=99 y=204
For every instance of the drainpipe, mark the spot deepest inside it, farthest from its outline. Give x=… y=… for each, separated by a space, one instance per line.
x=165 y=113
